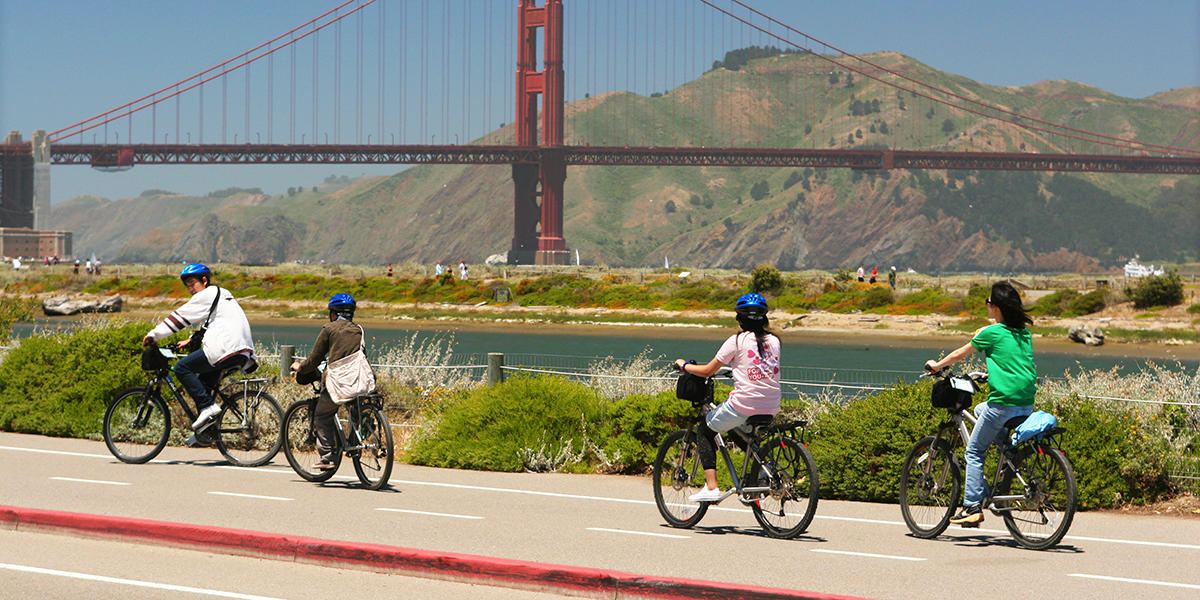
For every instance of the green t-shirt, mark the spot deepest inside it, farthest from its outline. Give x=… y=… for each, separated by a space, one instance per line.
x=1011 y=372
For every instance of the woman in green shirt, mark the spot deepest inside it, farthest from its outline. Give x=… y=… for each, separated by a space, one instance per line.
x=1012 y=376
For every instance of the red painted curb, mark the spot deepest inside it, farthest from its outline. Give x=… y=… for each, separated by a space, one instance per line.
x=443 y=565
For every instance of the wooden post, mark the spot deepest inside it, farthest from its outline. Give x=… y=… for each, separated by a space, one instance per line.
x=495 y=374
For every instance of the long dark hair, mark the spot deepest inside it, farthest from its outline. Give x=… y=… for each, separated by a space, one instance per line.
x=1005 y=297
x=761 y=328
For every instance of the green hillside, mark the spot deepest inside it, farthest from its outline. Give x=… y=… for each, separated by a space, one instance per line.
x=727 y=217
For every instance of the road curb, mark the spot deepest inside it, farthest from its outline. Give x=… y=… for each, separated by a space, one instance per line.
x=580 y=581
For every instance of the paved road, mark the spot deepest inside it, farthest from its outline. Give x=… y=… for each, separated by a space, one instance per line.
x=606 y=522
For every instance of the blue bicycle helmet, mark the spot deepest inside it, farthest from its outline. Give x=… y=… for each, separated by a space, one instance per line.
x=343 y=304
x=195 y=270
x=752 y=306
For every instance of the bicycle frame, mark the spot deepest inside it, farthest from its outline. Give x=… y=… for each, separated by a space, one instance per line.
x=354 y=407
x=177 y=394
x=751 y=451
x=959 y=423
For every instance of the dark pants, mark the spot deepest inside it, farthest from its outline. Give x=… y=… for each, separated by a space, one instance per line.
x=324 y=425
x=706 y=444
x=198 y=376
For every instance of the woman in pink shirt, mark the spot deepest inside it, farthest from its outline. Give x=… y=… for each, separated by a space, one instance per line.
x=753 y=354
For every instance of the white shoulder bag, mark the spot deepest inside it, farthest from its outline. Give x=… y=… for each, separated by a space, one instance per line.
x=350 y=375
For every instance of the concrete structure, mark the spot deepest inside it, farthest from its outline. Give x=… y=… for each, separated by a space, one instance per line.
x=16 y=183
x=34 y=243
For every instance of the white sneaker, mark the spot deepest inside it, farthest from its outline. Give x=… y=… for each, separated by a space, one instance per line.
x=706 y=495
x=206 y=414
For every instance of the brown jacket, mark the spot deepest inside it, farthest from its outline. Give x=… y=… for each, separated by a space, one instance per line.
x=339 y=339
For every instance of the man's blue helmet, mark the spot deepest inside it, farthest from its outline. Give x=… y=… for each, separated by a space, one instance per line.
x=752 y=306
x=342 y=304
x=195 y=270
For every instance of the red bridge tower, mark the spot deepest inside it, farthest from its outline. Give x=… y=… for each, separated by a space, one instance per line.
x=537 y=225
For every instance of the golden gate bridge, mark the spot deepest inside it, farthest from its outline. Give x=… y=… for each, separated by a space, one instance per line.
x=540 y=145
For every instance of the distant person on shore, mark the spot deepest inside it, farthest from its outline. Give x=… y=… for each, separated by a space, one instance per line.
x=75 y=270
x=88 y=266
x=462 y=270
x=874 y=273
x=892 y=278
x=438 y=269
x=97 y=267
x=861 y=273
x=753 y=354
x=389 y=271
x=1012 y=376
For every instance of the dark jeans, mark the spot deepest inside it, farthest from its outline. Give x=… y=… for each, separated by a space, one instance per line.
x=198 y=376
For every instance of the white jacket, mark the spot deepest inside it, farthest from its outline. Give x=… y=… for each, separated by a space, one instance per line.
x=228 y=331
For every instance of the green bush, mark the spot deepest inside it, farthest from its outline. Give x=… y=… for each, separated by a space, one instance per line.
x=859 y=447
x=13 y=309
x=877 y=297
x=765 y=278
x=60 y=384
x=637 y=424
x=526 y=423
x=1153 y=290
x=1088 y=303
x=1194 y=309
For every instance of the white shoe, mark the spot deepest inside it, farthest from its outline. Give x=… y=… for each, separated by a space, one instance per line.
x=206 y=414
x=706 y=495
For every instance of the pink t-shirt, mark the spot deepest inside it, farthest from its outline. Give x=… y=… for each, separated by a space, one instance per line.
x=755 y=378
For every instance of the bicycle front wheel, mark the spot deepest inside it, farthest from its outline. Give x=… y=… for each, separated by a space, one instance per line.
x=373 y=463
x=677 y=475
x=300 y=442
x=248 y=428
x=136 y=425
x=788 y=469
x=1046 y=482
x=930 y=487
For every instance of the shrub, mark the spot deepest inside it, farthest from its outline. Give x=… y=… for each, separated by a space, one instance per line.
x=1153 y=290
x=765 y=278
x=637 y=424
x=876 y=297
x=1088 y=303
x=1194 y=309
x=60 y=384
x=859 y=447
x=525 y=423
x=13 y=309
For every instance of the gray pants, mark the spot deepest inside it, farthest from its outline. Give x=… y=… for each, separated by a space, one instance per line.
x=324 y=425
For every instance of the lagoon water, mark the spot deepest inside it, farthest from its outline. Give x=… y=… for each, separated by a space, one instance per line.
x=888 y=357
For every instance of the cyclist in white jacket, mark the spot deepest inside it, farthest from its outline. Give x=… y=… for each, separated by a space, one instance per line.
x=227 y=342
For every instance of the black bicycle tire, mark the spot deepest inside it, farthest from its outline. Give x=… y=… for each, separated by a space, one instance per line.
x=301 y=435
x=389 y=457
x=158 y=443
x=1053 y=456
x=224 y=432
x=690 y=460
x=812 y=488
x=915 y=525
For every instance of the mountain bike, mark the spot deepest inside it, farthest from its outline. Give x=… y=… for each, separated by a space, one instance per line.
x=1032 y=487
x=246 y=431
x=778 y=478
x=364 y=435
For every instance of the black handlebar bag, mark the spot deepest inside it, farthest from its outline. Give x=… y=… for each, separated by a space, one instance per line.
x=952 y=393
x=693 y=388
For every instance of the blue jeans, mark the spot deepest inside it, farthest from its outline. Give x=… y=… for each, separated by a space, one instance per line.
x=988 y=429
x=197 y=375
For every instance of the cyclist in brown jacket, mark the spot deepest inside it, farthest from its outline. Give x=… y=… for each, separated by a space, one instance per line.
x=340 y=337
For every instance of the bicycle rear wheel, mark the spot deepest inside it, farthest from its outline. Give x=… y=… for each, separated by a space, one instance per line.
x=248 y=428
x=677 y=475
x=1047 y=482
x=930 y=487
x=136 y=425
x=373 y=463
x=788 y=469
x=300 y=442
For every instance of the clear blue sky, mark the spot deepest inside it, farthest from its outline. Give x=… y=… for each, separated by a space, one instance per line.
x=64 y=60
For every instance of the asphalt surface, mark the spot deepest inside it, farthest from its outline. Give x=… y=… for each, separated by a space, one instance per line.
x=604 y=522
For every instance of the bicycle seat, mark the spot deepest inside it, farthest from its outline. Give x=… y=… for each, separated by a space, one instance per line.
x=1015 y=422
x=759 y=423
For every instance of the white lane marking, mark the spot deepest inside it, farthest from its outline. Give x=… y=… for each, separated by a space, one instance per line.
x=133 y=582
x=253 y=496
x=628 y=501
x=868 y=554
x=90 y=481
x=1190 y=586
x=665 y=535
x=59 y=452
x=431 y=514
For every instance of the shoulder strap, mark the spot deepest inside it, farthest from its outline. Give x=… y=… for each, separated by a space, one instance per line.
x=362 y=339
x=212 y=309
